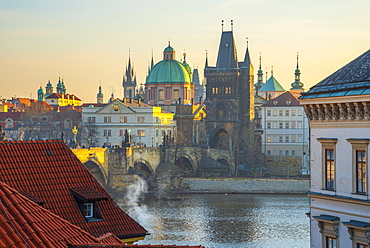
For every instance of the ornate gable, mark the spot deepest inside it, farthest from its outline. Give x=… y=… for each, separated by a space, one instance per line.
x=115 y=107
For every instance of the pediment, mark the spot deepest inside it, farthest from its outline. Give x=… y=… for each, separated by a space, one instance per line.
x=116 y=107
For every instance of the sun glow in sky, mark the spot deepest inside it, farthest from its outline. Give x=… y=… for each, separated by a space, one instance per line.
x=88 y=41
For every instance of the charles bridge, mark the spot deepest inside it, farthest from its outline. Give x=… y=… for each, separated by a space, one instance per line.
x=114 y=167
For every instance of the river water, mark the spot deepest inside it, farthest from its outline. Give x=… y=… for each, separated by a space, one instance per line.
x=231 y=220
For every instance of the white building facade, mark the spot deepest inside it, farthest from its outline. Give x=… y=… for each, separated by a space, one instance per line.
x=285 y=129
x=338 y=109
x=107 y=124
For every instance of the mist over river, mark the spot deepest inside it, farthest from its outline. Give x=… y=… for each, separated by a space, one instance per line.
x=226 y=220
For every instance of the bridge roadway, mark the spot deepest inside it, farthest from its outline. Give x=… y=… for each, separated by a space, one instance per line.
x=112 y=165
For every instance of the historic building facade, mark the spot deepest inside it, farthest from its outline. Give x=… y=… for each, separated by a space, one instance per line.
x=230 y=101
x=338 y=109
x=285 y=135
x=110 y=124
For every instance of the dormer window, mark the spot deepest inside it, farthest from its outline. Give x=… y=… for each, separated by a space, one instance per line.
x=88 y=210
x=87 y=200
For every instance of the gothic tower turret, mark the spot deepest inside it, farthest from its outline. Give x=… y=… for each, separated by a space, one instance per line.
x=129 y=81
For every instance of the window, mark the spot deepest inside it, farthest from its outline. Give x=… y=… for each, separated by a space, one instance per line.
x=176 y=95
x=161 y=95
x=140 y=119
x=299 y=112
x=107 y=119
x=361 y=171
x=286 y=112
x=328 y=162
x=140 y=133
x=156 y=132
x=121 y=132
x=280 y=139
x=280 y=112
x=293 y=138
x=359 y=164
x=268 y=125
x=274 y=112
x=329 y=169
x=268 y=139
x=215 y=90
x=358 y=231
x=107 y=132
x=293 y=152
x=280 y=125
x=329 y=229
x=268 y=112
x=227 y=90
x=268 y=152
x=280 y=152
x=123 y=119
x=91 y=119
x=220 y=113
x=293 y=112
x=287 y=139
x=293 y=124
x=286 y=125
x=331 y=242
x=88 y=210
x=286 y=153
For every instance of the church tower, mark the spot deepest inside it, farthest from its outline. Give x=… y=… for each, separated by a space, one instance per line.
x=297 y=85
x=129 y=81
x=229 y=97
x=259 y=83
x=99 y=96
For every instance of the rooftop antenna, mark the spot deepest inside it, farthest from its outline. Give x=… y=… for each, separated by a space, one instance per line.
x=222 y=25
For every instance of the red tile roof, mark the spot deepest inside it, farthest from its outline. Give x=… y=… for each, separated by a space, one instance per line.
x=24 y=223
x=48 y=170
x=65 y=96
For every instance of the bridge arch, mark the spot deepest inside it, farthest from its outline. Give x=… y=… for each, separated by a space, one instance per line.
x=144 y=170
x=186 y=166
x=220 y=139
x=96 y=169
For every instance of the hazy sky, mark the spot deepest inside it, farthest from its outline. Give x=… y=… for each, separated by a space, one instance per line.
x=88 y=41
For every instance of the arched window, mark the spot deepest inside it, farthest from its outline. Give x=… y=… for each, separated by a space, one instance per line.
x=176 y=95
x=161 y=95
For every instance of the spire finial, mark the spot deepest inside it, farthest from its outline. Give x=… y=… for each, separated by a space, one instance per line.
x=272 y=70
x=169 y=42
x=232 y=25
x=266 y=74
x=297 y=59
x=206 y=65
x=247 y=41
x=260 y=61
x=222 y=25
x=184 y=56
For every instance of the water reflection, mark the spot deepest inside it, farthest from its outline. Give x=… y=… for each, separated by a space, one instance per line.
x=216 y=220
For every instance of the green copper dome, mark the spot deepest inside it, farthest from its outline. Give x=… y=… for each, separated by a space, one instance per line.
x=168 y=71
x=169 y=49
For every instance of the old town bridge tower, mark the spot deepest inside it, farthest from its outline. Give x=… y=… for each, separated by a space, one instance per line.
x=230 y=98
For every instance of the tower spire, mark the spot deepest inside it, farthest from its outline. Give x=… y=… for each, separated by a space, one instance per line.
x=259 y=83
x=297 y=85
x=206 y=65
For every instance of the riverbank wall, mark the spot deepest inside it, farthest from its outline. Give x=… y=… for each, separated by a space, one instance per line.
x=237 y=185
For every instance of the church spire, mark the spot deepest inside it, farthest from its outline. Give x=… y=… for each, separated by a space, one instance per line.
x=99 y=96
x=297 y=85
x=259 y=83
x=206 y=64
